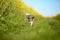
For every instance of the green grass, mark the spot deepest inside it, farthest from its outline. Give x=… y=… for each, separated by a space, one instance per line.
x=14 y=26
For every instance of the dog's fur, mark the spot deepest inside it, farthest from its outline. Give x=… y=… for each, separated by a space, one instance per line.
x=30 y=19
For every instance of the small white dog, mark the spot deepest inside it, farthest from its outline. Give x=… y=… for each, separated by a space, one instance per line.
x=30 y=19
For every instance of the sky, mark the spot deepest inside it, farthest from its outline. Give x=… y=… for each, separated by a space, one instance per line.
x=45 y=7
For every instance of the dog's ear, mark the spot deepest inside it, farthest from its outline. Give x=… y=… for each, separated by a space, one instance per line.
x=33 y=16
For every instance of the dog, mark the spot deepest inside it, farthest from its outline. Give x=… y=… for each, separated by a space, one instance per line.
x=30 y=19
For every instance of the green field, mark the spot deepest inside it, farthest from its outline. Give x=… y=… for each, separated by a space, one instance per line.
x=14 y=24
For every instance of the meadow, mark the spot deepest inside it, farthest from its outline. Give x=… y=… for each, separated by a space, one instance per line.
x=14 y=24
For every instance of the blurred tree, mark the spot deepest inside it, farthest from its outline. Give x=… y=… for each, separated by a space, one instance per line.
x=57 y=17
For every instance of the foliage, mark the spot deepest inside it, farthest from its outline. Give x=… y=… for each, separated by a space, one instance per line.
x=57 y=17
